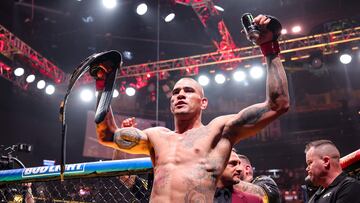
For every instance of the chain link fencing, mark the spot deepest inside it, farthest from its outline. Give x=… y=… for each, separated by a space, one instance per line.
x=129 y=188
x=106 y=181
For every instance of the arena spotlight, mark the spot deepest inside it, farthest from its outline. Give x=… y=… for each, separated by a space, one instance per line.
x=115 y=93
x=130 y=91
x=50 y=89
x=86 y=95
x=168 y=18
x=203 y=80
x=19 y=72
x=220 y=78
x=219 y=8
x=128 y=55
x=141 y=9
x=239 y=76
x=284 y=31
x=30 y=78
x=296 y=29
x=256 y=72
x=109 y=4
x=40 y=84
x=345 y=58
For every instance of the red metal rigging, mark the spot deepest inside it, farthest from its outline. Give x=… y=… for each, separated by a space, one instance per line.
x=326 y=43
x=13 y=48
x=297 y=48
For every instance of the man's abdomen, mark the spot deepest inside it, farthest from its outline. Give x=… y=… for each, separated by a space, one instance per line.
x=182 y=184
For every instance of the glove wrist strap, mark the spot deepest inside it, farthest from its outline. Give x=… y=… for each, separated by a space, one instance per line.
x=100 y=85
x=270 y=48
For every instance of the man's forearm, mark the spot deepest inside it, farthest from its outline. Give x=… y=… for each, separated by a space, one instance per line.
x=250 y=188
x=277 y=86
x=127 y=139
x=106 y=129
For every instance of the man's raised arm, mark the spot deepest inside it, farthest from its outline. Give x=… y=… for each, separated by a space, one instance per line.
x=126 y=138
x=254 y=118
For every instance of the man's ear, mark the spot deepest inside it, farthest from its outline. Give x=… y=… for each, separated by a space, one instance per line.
x=326 y=162
x=204 y=103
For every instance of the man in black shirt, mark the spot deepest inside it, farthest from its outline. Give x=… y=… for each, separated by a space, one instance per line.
x=324 y=170
x=262 y=186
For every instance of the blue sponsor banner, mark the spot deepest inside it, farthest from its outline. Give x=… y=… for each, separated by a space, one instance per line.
x=49 y=170
x=76 y=170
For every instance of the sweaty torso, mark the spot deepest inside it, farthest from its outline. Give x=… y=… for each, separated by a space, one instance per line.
x=186 y=166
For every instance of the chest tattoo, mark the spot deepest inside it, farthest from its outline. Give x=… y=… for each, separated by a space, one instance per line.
x=192 y=136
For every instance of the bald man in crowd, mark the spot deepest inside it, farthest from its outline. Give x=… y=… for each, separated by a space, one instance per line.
x=324 y=170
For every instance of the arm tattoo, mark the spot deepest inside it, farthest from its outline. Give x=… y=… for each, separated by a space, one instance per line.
x=127 y=138
x=250 y=115
x=251 y=188
x=277 y=81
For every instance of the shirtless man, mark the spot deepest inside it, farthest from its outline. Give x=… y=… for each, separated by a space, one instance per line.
x=188 y=160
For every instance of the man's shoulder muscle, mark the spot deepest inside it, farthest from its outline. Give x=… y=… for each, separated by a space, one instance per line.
x=156 y=134
x=155 y=131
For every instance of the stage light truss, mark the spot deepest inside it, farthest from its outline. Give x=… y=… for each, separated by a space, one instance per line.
x=12 y=47
x=325 y=43
x=7 y=73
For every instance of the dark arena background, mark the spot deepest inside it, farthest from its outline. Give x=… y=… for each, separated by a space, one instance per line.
x=43 y=41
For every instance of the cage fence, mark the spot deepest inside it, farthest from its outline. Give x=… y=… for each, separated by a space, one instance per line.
x=106 y=181
x=132 y=188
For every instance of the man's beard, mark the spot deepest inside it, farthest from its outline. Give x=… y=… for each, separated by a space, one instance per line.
x=242 y=176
